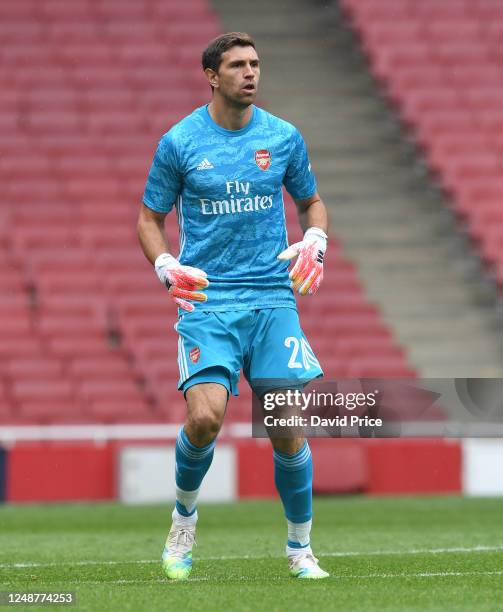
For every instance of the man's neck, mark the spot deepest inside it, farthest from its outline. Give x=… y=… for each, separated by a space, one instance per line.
x=229 y=117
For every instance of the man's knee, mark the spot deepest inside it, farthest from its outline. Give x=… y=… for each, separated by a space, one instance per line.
x=203 y=422
x=288 y=446
x=205 y=412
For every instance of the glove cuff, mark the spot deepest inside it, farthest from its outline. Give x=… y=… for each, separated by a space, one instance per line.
x=315 y=231
x=164 y=262
x=317 y=234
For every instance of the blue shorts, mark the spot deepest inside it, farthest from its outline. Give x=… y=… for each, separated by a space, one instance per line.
x=268 y=345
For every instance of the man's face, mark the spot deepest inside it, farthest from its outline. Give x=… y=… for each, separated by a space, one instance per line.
x=238 y=76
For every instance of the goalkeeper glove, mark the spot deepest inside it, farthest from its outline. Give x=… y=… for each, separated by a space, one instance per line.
x=181 y=281
x=307 y=273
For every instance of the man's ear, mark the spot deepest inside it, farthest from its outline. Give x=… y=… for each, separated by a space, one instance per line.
x=212 y=77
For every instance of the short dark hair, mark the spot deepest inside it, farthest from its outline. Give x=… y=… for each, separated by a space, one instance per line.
x=212 y=55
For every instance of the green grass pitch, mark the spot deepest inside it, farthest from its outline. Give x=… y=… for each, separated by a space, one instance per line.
x=416 y=553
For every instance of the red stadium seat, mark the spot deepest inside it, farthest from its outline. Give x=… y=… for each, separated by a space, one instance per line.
x=385 y=60
x=154 y=304
x=38 y=217
x=92 y=310
x=130 y=258
x=114 y=389
x=20 y=347
x=14 y=29
x=372 y=367
x=50 y=326
x=35 y=237
x=486 y=220
x=34 y=166
x=46 y=411
x=430 y=10
x=16 y=11
x=33 y=368
x=56 y=283
x=139 y=327
x=455 y=146
x=364 y=12
x=122 y=411
x=102 y=367
x=455 y=29
x=70 y=347
x=351 y=347
x=16 y=325
x=13 y=302
x=47 y=389
x=155 y=347
x=421 y=103
x=7 y=409
x=458 y=170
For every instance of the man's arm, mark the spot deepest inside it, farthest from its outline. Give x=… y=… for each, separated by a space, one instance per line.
x=307 y=273
x=151 y=234
x=312 y=212
x=183 y=282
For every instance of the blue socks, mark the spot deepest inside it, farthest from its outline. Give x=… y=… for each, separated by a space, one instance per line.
x=293 y=475
x=192 y=463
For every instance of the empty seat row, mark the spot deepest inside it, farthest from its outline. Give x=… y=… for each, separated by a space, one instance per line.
x=440 y=62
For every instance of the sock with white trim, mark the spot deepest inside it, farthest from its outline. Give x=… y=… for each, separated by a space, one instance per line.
x=184 y=521
x=298 y=537
x=293 y=475
x=191 y=464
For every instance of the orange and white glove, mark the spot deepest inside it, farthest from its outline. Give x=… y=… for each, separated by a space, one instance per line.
x=307 y=273
x=182 y=282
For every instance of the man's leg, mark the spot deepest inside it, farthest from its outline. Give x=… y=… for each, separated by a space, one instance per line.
x=282 y=361
x=206 y=404
x=293 y=475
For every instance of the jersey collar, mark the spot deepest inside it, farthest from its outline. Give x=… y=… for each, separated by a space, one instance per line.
x=222 y=130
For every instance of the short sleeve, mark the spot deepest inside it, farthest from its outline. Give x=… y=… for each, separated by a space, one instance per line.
x=164 y=179
x=299 y=179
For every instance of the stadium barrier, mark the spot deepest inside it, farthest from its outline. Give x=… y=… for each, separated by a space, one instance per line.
x=129 y=465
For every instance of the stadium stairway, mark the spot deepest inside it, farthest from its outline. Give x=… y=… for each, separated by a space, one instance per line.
x=394 y=224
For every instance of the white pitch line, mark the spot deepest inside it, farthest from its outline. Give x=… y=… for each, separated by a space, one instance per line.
x=417 y=551
x=414 y=551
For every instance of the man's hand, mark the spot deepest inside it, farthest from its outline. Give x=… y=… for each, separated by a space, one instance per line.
x=181 y=281
x=307 y=272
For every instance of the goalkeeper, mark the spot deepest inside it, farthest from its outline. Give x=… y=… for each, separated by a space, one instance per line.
x=223 y=168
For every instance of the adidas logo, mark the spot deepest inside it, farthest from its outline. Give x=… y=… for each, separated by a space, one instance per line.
x=205 y=165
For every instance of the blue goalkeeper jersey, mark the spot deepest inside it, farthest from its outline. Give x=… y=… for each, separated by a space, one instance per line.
x=226 y=186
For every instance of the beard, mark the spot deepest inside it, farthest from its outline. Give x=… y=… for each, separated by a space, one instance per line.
x=239 y=101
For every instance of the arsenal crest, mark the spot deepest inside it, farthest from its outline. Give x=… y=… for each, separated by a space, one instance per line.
x=194 y=354
x=263 y=159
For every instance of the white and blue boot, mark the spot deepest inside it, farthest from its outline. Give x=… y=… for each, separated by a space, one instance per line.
x=177 y=554
x=304 y=565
